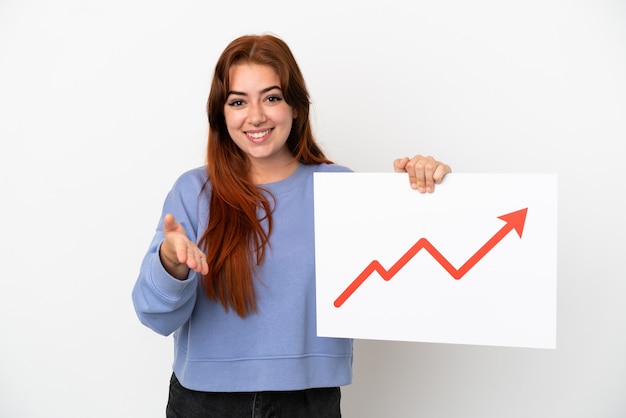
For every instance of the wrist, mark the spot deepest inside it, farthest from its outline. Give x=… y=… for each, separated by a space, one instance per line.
x=171 y=261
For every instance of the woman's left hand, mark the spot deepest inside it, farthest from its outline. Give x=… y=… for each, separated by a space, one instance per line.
x=424 y=172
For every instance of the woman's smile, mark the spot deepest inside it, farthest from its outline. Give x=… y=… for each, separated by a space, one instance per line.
x=258 y=136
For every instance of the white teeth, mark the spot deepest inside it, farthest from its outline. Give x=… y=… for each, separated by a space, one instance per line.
x=257 y=135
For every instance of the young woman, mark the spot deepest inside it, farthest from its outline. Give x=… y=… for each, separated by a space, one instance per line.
x=231 y=269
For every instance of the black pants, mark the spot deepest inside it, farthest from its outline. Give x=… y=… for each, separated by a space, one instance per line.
x=309 y=403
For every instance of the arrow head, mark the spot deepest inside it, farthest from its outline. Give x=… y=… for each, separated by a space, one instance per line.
x=515 y=220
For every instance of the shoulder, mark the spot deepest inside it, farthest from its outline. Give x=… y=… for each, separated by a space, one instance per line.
x=332 y=168
x=193 y=179
x=187 y=196
x=189 y=185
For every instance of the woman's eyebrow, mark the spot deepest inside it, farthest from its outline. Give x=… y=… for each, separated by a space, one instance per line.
x=265 y=90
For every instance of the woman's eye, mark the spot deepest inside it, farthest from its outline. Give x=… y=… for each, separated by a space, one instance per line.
x=274 y=99
x=235 y=103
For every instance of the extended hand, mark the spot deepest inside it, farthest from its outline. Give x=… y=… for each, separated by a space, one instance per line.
x=178 y=253
x=424 y=172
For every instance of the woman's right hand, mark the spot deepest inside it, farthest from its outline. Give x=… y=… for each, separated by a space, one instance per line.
x=178 y=254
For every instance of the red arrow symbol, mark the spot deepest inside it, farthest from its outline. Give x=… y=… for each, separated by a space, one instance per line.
x=514 y=221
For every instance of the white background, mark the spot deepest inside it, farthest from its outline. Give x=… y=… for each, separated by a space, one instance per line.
x=102 y=107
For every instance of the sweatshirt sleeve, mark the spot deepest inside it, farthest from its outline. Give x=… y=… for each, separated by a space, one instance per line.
x=162 y=302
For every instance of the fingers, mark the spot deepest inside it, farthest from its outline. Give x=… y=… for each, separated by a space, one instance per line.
x=440 y=172
x=188 y=253
x=424 y=172
x=195 y=259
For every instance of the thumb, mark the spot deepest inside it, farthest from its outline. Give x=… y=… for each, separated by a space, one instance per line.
x=169 y=223
x=399 y=164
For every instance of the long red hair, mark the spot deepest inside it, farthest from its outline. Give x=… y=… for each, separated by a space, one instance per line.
x=236 y=239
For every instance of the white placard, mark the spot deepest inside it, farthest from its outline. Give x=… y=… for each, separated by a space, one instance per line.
x=472 y=263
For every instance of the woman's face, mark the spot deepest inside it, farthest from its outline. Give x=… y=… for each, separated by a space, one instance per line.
x=257 y=117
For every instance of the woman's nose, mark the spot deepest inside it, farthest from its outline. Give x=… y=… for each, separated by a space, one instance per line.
x=256 y=116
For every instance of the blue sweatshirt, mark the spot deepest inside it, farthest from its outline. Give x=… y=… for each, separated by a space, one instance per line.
x=274 y=349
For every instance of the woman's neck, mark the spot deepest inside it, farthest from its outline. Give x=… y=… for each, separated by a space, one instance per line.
x=261 y=173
